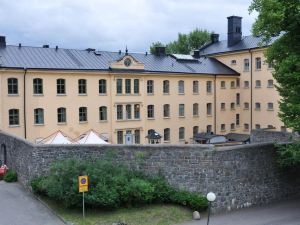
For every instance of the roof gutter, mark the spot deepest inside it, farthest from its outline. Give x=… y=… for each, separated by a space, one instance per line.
x=251 y=90
x=24 y=102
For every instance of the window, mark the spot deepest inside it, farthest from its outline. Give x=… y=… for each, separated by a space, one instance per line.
x=166 y=87
x=246 y=65
x=120 y=137
x=181 y=110
x=12 y=86
x=232 y=84
x=102 y=86
x=238 y=99
x=82 y=114
x=181 y=133
x=150 y=87
x=237 y=119
x=257 y=106
x=136 y=111
x=209 y=86
x=271 y=127
x=257 y=83
x=61 y=86
x=270 y=106
x=223 y=106
x=119 y=86
x=38 y=86
x=61 y=115
x=232 y=105
x=246 y=84
x=38 y=116
x=195 y=87
x=270 y=65
x=136 y=86
x=209 y=128
x=166 y=110
x=13 y=117
x=257 y=126
x=246 y=126
x=223 y=127
x=195 y=109
x=167 y=134
x=246 y=105
x=195 y=130
x=270 y=83
x=150 y=111
x=209 y=109
x=223 y=84
x=232 y=126
x=119 y=112
x=82 y=86
x=237 y=82
x=181 y=87
x=137 y=136
x=128 y=112
x=233 y=62
x=127 y=86
x=258 y=63
x=103 y=113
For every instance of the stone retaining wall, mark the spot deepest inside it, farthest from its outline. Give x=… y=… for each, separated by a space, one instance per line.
x=241 y=176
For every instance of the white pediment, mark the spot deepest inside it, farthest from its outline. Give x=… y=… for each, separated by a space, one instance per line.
x=127 y=62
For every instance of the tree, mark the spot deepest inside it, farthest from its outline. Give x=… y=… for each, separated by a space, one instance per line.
x=281 y=19
x=185 y=43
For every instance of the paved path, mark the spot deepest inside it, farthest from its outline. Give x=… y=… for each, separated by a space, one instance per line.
x=283 y=213
x=18 y=207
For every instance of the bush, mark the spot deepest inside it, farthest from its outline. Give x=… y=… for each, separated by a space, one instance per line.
x=110 y=186
x=10 y=176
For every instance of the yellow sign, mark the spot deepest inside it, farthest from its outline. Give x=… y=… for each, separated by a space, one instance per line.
x=83 y=183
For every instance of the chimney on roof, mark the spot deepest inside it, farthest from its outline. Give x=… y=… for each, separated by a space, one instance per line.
x=214 y=38
x=160 y=51
x=196 y=54
x=56 y=47
x=20 y=45
x=45 y=46
x=234 y=32
x=2 y=41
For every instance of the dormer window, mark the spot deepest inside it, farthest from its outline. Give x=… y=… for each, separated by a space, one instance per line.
x=233 y=62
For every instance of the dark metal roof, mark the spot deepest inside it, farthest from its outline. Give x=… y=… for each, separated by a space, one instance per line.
x=248 y=42
x=205 y=136
x=72 y=59
x=238 y=137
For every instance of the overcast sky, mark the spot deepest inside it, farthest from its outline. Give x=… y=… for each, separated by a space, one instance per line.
x=113 y=24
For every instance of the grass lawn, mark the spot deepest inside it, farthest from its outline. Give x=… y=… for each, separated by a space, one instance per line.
x=148 y=215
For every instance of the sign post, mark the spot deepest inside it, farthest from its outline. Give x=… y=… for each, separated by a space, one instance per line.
x=83 y=187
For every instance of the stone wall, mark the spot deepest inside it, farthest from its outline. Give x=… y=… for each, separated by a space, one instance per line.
x=241 y=176
x=261 y=136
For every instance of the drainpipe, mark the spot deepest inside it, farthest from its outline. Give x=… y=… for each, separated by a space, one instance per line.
x=251 y=91
x=215 y=105
x=24 y=103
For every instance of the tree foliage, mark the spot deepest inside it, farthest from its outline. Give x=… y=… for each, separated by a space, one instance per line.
x=185 y=43
x=280 y=19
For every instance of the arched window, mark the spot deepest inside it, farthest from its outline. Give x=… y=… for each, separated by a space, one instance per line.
x=195 y=87
x=166 y=110
x=13 y=117
x=61 y=115
x=195 y=109
x=181 y=87
x=166 y=87
x=181 y=133
x=39 y=116
x=167 y=134
x=103 y=113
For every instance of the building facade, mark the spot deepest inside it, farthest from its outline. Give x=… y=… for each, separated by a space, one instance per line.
x=217 y=89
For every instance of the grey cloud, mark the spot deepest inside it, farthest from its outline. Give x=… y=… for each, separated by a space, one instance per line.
x=111 y=25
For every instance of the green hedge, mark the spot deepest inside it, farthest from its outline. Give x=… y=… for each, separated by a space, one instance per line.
x=111 y=186
x=10 y=176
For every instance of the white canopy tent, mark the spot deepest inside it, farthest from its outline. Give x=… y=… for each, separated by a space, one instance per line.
x=91 y=137
x=57 y=138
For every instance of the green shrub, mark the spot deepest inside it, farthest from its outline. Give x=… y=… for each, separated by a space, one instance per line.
x=111 y=186
x=10 y=176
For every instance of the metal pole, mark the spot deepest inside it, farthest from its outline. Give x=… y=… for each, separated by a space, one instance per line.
x=209 y=206
x=83 y=209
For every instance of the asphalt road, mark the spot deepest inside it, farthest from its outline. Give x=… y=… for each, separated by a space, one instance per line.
x=282 y=213
x=18 y=207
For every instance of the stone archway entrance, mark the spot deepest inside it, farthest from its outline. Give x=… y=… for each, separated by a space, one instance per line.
x=3 y=155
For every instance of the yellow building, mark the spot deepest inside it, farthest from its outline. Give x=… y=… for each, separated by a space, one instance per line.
x=224 y=87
